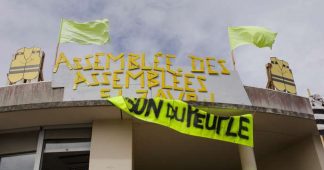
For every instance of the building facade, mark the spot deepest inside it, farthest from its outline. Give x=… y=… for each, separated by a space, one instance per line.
x=40 y=130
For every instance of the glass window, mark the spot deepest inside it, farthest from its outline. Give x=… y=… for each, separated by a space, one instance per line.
x=66 y=154
x=66 y=146
x=17 y=162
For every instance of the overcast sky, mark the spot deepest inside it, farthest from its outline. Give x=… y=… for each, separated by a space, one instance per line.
x=179 y=27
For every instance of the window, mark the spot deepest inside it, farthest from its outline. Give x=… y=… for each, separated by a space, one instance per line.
x=66 y=146
x=67 y=149
x=66 y=155
x=18 y=150
x=49 y=149
x=19 y=161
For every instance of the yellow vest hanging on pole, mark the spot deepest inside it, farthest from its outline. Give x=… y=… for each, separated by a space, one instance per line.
x=26 y=66
x=280 y=76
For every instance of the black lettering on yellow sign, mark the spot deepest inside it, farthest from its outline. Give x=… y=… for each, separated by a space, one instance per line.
x=242 y=128
x=175 y=113
x=214 y=120
x=189 y=119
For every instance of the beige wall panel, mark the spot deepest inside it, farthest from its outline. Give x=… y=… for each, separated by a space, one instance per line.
x=300 y=156
x=111 y=145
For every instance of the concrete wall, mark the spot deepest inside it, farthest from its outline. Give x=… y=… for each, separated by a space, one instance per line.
x=273 y=99
x=111 y=145
x=112 y=140
x=304 y=155
x=41 y=92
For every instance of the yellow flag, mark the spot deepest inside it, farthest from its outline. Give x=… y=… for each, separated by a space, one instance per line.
x=258 y=36
x=94 y=32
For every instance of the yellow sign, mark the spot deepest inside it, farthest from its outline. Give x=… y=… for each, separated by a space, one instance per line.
x=280 y=76
x=119 y=73
x=189 y=120
x=26 y=65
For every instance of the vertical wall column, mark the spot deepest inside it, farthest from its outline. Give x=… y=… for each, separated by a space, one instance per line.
x=111 y=145
x=318 y=145
x=247 y=158
x=39 y=150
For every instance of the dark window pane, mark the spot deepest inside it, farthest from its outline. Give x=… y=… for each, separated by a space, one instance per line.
x=66 y=161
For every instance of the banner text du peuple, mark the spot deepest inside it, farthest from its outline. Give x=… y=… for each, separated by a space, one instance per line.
x=147 y=76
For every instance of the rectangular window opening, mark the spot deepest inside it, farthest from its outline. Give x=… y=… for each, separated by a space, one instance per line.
x=17 y=161
x=66 y=152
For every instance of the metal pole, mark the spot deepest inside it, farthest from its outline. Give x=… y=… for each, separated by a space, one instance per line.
x=309 y=92
x=233 y=59
x=58 y=42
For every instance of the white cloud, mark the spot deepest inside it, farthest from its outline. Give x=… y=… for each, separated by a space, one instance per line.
x=180 y=27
